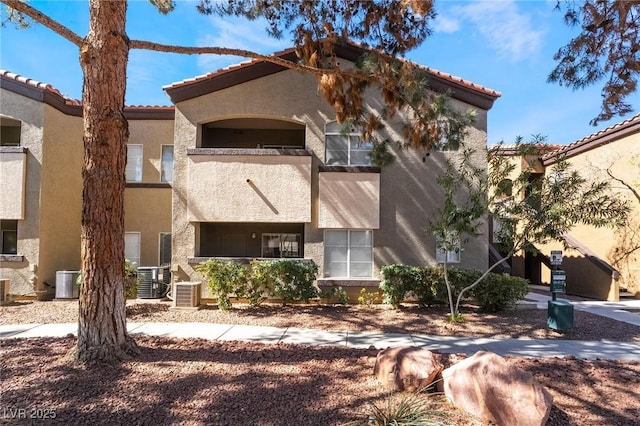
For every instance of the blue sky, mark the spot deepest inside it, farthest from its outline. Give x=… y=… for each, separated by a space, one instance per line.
x=504 y=45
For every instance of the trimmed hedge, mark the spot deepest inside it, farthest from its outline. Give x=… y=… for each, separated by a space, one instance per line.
x=288 y=279
x=497 y=292
x=397 y=281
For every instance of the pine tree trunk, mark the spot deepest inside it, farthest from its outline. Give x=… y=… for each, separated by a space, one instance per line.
x=102 y=332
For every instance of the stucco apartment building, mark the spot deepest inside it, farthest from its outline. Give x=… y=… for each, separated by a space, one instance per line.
x=247 y=163
x=599 y=262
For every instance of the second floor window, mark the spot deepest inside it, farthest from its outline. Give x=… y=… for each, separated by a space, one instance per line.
x=134 y=163
x=166 y=167
x=344 y=146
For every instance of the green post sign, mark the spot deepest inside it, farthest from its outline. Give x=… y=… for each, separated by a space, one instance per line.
x=558 y=281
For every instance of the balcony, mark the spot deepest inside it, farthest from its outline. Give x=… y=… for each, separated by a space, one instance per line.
x=13 y=163
x=249 y=185
x=349 y=197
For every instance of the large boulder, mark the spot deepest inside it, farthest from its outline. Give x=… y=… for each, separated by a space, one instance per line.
x=489 y=387
x=406 y=368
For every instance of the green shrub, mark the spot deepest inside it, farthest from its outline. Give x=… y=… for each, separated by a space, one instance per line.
x=224 y=278
x=334 y=295
x=130 y=280
x=289 y=279
x=397 y=281
x=431 y=289
x=498 y=292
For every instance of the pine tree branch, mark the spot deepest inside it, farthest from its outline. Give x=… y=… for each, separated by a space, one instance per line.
x=43 y=19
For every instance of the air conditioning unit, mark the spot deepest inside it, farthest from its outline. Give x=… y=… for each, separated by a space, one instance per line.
x=4 y=291
x=186 y=295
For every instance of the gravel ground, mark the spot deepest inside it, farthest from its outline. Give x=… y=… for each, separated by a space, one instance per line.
x=198 y=382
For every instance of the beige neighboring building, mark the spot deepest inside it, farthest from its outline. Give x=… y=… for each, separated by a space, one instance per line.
x=41 y=155
x=248 y=164
x=600 y=263
x=264 y=171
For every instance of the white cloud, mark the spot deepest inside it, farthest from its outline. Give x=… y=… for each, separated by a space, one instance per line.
x=238 y=34
x=443 y=24
x=509 y=32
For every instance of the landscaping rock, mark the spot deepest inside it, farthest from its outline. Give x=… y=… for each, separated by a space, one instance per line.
x=406 y=368
x=489 y=387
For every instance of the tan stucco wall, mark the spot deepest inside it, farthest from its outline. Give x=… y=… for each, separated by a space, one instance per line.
x=13 y=173
x=148 y=209
x=31 y=114
x=249 y=188
x=61 y=195
x=408 y=190
x=349 y=200
x=622 y=158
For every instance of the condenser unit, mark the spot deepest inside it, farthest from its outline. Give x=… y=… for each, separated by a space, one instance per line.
x=186 y=295
x=4 y=291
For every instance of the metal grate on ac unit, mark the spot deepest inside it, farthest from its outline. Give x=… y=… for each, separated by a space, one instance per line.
x=186 y=295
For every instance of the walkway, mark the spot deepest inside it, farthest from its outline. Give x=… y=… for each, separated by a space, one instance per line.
x=271 y=335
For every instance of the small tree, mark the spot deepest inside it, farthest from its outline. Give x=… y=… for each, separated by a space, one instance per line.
x=530 y=210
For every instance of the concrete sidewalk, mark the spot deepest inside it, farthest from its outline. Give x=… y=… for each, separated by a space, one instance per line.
x=626 y=311
x=271 y=335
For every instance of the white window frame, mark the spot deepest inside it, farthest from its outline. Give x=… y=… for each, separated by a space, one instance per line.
x=166 y=170
x=452 y=256
x=133 y=172
x=135 y=261
x=160 y=237
x=443 y=144
x=349 y=248
x=282 y=237
x=353 y=143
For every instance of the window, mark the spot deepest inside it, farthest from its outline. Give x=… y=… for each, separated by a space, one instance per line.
x=9 y=236
x=10 y=130
x=165 y=248
x=348 y=254
x=132 y=247
x=450 y=134
x=281 y=245
x=134 y=163
x=345 y=147
x=166 y=165
x=452 y=255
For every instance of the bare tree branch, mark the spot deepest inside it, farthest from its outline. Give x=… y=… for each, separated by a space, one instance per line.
x=635 y=193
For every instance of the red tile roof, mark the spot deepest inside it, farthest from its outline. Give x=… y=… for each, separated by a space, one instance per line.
x=596 y=139
x=60 y=99
x=451 y=78
x=248 y=70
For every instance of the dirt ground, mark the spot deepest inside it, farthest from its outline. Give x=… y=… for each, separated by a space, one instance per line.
x=200 y=382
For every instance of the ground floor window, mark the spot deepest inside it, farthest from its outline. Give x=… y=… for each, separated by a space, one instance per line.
x=348 y=254
x=9 y=236
x=281 y=245
x=132 y=247
x=165 y=248
x=452 y=256
x=250 y=240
